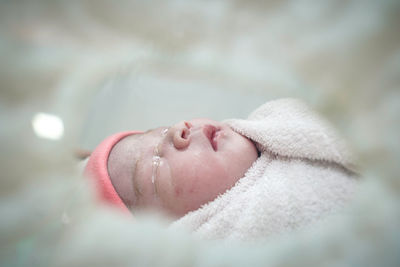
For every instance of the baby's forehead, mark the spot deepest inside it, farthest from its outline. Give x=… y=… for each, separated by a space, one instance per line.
x=149 y=137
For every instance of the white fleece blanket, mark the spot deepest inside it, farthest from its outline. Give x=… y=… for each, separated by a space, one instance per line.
x=302 y=175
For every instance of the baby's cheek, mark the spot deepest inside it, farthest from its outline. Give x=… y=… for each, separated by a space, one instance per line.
x=189 y=191
x=178 y=191
x=189 y=185
x=211 y=183
x=194 y=187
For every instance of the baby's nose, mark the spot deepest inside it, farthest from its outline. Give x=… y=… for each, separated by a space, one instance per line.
x=181 y=136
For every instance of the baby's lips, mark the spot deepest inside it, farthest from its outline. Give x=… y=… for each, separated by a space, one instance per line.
x=209 y=131
x=217 y=135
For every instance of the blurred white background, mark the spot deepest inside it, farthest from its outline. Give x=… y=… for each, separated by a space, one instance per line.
x=108 y=66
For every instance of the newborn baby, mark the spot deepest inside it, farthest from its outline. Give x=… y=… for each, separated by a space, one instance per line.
x=177 y=169
x=170 y=169
x=281 y=168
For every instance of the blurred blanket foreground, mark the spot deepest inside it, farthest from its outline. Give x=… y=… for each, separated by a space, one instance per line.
x=104 y=66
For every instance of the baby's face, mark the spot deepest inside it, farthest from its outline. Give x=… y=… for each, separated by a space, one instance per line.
x=198 y=160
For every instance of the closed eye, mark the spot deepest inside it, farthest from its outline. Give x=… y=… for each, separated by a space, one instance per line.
x=136 y=187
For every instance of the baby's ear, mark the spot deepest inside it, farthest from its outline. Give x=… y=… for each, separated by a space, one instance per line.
x=82 y=153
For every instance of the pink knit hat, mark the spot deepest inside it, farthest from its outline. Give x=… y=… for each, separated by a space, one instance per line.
x=96 y=169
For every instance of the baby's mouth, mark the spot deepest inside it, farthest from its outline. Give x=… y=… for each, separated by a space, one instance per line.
x=210 y=132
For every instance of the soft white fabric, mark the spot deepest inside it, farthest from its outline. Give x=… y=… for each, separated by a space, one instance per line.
x=302 y=175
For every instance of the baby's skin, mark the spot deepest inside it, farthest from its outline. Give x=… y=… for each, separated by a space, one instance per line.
x=178 y=169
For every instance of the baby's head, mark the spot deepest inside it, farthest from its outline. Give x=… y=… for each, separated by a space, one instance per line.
x=175 y=169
